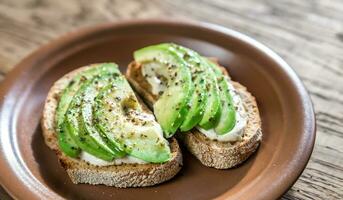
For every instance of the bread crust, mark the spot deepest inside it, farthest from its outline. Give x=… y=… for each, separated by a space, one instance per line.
x=220 y=155
x=79 y=171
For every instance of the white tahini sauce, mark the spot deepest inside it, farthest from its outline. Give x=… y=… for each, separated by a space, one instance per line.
x=118 y=161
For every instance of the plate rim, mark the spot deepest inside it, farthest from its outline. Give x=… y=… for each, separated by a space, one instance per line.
x=15 y=186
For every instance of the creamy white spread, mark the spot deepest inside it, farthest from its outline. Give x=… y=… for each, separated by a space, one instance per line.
x=241 y=121
x=157 y=85
x=234 y=135
x=118 y=161
x=150 y=72
x=153 y=73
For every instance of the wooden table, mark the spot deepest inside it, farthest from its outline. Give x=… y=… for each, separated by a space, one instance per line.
x=307 y=34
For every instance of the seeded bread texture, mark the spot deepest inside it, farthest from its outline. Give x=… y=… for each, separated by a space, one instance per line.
x=125 y=175
x=220 y=155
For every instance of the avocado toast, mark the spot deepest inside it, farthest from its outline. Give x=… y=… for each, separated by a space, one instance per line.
x=193 y=97
x=103 y=134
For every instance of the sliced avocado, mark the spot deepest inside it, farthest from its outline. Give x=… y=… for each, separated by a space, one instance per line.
x=73 y=122
x=119 y=115
x=199 y=97
x=228 y=115
x=176 y=98
x=213 y=108
x=66 y=143
x=88 y=129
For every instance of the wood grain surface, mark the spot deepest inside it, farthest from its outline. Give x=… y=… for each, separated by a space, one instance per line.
x=308 y=34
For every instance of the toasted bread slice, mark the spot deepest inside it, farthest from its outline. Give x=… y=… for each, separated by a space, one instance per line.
x=79 y=171
x=220 y=155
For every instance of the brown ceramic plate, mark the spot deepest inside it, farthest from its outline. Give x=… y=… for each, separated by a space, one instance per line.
x=29 y=170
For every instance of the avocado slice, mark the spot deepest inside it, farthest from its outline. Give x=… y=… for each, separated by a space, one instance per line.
x=66 y=143
x=86 y=122
x=227 y=118
x=213 y=108
x=75 y=125
x=199 y=97
x=164 y=60
x=119 y=115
